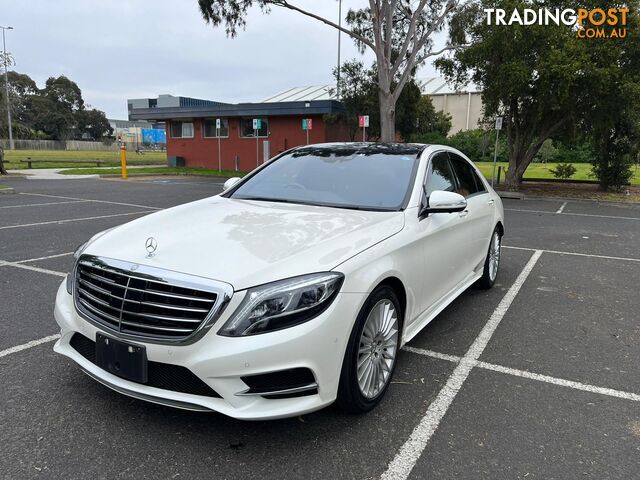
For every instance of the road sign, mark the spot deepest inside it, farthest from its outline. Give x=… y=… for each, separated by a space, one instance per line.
x=307 y=124
x=363 y=121
x=218 y=123
x=257 y=124
x=498 y=123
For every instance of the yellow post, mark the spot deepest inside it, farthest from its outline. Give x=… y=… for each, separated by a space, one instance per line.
x=123 y=160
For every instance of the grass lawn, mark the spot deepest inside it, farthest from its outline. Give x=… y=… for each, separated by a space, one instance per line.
x=153 y=171
x=535 y=170
x=540 y=170
x=12 y=158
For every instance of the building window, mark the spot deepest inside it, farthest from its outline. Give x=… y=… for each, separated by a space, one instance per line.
x=246 y=127
x=209 y=130
x=182 y=129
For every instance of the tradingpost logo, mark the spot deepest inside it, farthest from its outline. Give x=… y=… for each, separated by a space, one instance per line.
x=589 y=23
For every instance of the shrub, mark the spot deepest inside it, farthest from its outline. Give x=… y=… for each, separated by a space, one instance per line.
x=563 y=171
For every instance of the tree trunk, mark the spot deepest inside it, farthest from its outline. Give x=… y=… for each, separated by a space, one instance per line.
x=3 y=171
x=387 y=117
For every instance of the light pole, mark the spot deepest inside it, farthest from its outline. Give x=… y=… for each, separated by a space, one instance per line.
x=339 y=36
x=6 y=84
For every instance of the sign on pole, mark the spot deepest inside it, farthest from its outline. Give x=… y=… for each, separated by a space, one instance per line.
x=257 y=123
x=307 y=124
x=363 y=122
x=218 y=123
x=495 y=149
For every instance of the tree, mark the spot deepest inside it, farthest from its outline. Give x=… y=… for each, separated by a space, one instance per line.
x=359 y=91
x=93 y=123
x=21 y=86
x=530 y=74
x=611 y=111
x=64 y=92
x=429 y=121
x=399 y=32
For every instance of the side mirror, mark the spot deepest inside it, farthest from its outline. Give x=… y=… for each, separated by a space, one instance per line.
x=444 y=202
x=230 y=183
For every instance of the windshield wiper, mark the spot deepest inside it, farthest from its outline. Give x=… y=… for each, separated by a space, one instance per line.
x=266 y=199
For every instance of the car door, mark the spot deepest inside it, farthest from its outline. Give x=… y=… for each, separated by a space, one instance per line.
x=478 y=215
x=442 y=235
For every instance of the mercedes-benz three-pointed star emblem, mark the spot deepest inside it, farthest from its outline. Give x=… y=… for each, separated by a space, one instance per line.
x=151 y=245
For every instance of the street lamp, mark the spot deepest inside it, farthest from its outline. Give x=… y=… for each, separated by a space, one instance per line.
x=6 y=84
x=339 y=37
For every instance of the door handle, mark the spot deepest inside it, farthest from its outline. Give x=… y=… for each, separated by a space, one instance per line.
x=464 y=213
x=491 y=202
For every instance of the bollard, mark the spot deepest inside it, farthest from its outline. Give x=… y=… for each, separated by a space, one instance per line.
x=499 y=172
x=123 y=160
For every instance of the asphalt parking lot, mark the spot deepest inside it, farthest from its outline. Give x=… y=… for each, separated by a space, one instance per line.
x=536 y=378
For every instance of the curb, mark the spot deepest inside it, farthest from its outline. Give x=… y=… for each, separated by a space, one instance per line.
x=511 y=195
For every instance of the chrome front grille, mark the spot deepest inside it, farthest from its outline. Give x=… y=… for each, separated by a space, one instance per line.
x=140 y=301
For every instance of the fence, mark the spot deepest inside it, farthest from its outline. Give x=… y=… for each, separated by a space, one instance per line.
x=65 y=145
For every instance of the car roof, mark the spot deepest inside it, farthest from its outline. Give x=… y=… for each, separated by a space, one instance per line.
x=366 y=148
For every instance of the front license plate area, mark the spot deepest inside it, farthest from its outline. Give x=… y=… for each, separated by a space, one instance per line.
x=123 y=359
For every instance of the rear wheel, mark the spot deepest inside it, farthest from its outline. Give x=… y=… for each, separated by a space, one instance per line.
x=492 y=262
x=370 y=358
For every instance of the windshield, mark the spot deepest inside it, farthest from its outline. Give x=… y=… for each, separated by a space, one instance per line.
x=362 y=177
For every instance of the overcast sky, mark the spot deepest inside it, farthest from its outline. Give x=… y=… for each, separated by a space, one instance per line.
x=142 y=48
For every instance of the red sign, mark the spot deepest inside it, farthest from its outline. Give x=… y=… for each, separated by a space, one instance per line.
x=309 y=124
x=363 y=121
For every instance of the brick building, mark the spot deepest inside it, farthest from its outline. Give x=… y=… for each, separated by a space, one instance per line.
x=192 y=134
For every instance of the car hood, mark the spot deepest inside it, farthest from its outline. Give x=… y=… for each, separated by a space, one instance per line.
x=247 y=243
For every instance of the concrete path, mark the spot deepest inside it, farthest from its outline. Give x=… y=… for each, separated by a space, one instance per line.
x=54 y=173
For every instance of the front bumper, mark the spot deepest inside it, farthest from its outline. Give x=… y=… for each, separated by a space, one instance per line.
x=220 y=362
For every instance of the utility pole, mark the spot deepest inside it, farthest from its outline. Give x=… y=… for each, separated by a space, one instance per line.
x=339 y=37
x=6 y=84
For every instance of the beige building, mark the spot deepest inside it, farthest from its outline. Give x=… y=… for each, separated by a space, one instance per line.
x=464 y=105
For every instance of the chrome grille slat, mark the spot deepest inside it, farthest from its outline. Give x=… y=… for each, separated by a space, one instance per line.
x=139 y=301
x=172 y=295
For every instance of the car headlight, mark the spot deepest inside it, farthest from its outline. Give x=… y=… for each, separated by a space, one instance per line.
x=283 y=304
x=76 y=256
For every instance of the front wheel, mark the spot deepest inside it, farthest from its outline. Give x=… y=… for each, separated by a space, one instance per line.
x=492 y=262
x=371 y=354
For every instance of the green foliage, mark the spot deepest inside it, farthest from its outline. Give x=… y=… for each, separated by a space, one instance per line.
x=56 y=112
x=359 y=95
x=563 y=171
x=477 y=144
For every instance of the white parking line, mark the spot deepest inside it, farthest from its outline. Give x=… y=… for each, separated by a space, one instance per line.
x=4 y=263
x=44 y=258
x=571 y=213
x=561 y=207
x=531 y=376
x=25 y=346
x=71 y=220
x=404 y=461
x=91 y=200
x=557 y=252
x=44 y=204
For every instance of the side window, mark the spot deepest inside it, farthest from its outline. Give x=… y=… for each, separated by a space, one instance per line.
x=468 y=183
x=440 y=176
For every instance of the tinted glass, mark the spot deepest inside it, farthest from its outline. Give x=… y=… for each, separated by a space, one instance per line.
x=440 y=175
x=466 y=176
x=210 y=127
x=368 y=178
x=246 y=127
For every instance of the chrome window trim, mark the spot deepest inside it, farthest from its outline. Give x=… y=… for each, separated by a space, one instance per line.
x=224 y=292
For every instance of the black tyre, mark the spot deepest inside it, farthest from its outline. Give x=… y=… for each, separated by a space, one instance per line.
x=370 y=359
x=492 y=262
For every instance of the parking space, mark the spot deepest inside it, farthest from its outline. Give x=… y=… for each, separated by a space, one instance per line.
x=536 y=378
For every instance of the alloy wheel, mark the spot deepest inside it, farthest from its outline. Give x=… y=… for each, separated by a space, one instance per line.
x=494 y=256
x=377 y=349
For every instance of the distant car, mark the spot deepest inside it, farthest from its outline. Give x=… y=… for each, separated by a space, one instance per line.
x=292 y=289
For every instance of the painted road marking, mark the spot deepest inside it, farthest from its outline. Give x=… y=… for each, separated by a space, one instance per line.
x=32 y=343
x=45 y=258
x=91 y=200
x=557 y=252
x=70 y=220
x=4 y=263
x=617 y=217
x=44 y=204
x=561 y=207
x=531 y=375
x=404 y=461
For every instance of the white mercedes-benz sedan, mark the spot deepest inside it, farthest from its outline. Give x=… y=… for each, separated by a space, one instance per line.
x=291 y=290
